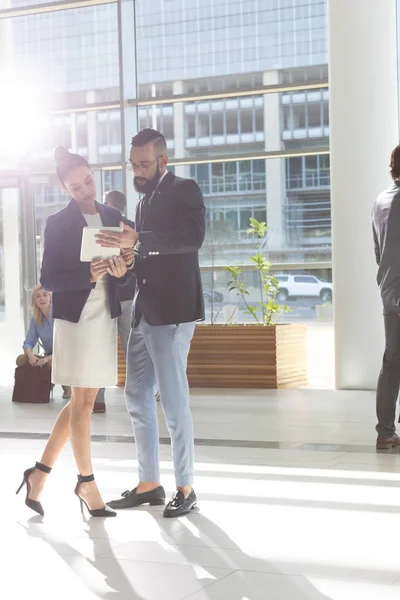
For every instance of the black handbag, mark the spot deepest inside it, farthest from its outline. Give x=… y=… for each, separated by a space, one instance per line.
x=32 y=384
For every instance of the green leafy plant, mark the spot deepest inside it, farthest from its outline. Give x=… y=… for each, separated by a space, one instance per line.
x=268 y=306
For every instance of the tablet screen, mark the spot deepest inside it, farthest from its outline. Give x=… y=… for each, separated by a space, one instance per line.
x=90 y=249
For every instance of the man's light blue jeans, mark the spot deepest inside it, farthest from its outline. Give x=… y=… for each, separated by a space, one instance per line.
x=157 y=355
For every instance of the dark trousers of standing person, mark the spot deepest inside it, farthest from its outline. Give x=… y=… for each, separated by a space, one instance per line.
x=389 y=379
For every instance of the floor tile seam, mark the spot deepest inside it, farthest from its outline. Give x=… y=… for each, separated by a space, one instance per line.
x=208 y=585
x=337 y=458
x=335 y=463
x=303 y=576
x=156 y=562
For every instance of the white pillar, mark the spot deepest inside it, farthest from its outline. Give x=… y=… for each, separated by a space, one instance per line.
x=179 y=130
x=154 y=107
x=131 y=128
x=99 y=186
x=363 y=129
x=93 y=151
x=275 y=168
x=74 y=132
x=128 y=88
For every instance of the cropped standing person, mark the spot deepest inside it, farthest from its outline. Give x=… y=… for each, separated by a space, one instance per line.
x=386 y=232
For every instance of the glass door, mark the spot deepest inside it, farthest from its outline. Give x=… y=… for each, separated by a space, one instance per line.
x=26 y=201
x=11 y=278
x=18 y=268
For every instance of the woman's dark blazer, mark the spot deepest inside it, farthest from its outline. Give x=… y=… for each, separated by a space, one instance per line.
x=62 y=271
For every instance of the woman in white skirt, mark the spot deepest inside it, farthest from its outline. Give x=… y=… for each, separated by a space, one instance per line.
x=85 y=308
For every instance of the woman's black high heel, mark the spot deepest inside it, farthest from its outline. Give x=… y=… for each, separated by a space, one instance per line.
x=100 y=512
x=33 y=504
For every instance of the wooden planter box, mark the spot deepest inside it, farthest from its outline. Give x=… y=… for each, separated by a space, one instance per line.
x=121 y=366
x=243 y=356
x=248 y=356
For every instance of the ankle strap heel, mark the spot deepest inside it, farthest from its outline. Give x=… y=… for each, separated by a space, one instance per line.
x=102 y=512
x=43 y=467
x=33 y=504
x=85 y=478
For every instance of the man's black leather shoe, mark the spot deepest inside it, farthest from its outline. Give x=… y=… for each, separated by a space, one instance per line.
x=130 y=499
x=179 y=505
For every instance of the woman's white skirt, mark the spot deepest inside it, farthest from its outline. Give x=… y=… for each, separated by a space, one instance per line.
x=85 y=353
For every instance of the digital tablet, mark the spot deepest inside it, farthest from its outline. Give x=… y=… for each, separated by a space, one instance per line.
x=90 y=249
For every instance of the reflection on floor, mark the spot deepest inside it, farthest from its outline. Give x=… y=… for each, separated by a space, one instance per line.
x=294 y=503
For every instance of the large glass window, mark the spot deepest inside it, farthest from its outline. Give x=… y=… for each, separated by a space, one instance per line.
x=305 y=115
x=96 y=135
x=72 y=55
x=235 y=176
x=238 y=190
x=6 y=4
x=228 y=45
x=204 y=79
x=52 y=63
x=242 y=124
x=308 y=172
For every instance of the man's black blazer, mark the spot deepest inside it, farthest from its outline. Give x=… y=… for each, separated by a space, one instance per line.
x=171 y=230
x=63 y=273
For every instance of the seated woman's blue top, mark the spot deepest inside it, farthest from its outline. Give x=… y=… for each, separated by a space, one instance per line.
x=43 y=332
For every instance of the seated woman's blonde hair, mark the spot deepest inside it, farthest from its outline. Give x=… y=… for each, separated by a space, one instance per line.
x=36 y=312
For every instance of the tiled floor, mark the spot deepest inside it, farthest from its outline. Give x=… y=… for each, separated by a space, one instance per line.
x=311 y=515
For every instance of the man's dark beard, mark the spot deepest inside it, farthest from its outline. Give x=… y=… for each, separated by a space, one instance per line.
x=149 y=185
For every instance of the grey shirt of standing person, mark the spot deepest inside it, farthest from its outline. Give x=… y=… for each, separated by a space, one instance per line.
x=386 y=231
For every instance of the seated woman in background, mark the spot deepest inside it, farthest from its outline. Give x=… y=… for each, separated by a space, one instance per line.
x=40 y=330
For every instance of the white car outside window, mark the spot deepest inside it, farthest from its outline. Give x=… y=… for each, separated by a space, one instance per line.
x=302 y=286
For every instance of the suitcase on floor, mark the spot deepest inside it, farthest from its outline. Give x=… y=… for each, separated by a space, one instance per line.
x=32 y=384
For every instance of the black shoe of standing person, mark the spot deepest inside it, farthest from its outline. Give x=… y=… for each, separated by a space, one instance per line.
x=388 y=443
x=131 y=499
x=179 y=505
